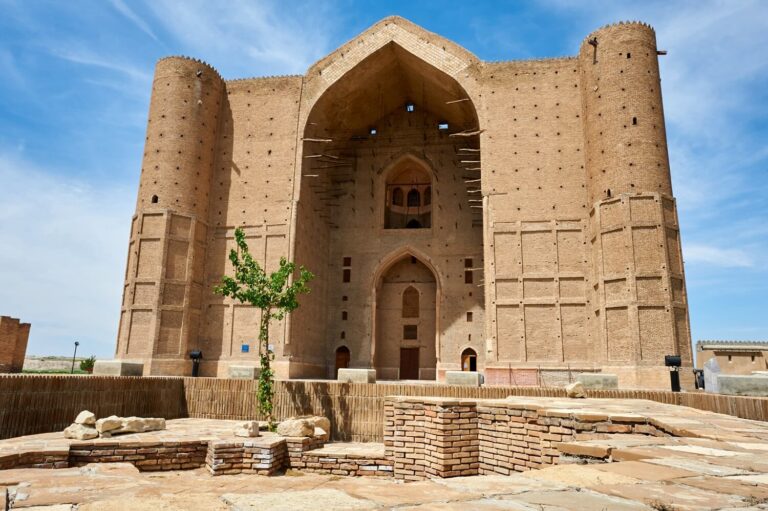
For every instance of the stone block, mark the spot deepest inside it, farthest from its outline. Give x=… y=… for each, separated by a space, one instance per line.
x=81 y=432
x=118 y=368
x=743 y=385
x=295 y=428
x=599 y=381
x=357 y=375
x=85 y=417
x=464 y=378
x=575 y=390
x=244 y=372
x=248 y=429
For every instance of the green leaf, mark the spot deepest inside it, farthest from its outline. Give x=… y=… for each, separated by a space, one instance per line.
x=275 y=294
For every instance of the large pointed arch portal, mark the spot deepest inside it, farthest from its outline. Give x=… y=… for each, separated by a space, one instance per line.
x=388 y=156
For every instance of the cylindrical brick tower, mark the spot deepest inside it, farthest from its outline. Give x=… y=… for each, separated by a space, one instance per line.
x=640 y=303
x=164 y=273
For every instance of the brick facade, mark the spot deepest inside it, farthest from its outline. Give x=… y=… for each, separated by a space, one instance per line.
x=545 y=229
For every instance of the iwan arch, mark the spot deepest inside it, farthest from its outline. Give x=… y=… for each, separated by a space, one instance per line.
x=516 y=217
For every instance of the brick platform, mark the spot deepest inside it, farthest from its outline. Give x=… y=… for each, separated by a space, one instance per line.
x=347 y=459
x=439 y=437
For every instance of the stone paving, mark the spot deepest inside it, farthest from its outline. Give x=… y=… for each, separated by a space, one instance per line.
x=706 y=461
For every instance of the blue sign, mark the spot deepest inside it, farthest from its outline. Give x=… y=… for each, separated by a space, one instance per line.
x=245 y=348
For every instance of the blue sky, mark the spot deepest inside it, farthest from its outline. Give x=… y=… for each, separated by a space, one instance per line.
x=74 y=94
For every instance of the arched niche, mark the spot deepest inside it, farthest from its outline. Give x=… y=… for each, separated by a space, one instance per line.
x=343 y=356
x=408 y=183
x=406 y=296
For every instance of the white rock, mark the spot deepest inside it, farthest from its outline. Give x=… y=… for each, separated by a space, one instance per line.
x=295 y=427
x=86 y=417
x=108 y=423
x=138 y=425
x=81 y=432
x=575 y=390
x=248 y=429
x=318 y=421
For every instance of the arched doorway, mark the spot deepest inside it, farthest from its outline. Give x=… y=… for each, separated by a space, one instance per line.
x=469 y=360
x=342 y=359
x=406 y=298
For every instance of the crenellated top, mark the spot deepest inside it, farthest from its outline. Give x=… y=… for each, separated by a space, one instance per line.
x=191 y=59
x=618 y=24
x=267 y=77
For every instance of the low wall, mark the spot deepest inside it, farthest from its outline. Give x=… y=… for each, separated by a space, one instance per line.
x=32 y=403
x=439 y=437
x=356 y=410
x=41 y=403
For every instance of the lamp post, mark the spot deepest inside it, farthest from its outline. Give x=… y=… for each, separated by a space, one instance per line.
x=73 y=357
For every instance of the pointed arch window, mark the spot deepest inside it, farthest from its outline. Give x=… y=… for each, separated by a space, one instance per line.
x=397 y=197
x=411 y=302
x=414 y=198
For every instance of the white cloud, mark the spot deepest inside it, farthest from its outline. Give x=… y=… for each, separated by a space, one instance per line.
x=126 y=11
x=711 y=255
x=246 y=38
x=88 y=58
x=62 y=257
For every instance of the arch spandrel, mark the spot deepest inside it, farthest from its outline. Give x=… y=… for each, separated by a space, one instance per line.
x=436 y=51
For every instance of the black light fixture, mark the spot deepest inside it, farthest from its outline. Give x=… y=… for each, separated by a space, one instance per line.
x=674 y=362
x=196 y=356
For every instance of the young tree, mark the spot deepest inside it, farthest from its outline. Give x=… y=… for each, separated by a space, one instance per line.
x=275 y=294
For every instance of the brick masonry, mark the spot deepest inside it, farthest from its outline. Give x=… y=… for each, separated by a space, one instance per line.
x=432 y=437
x=259 y=456
x=558 y=200
x=147 y=457
x=13 y=344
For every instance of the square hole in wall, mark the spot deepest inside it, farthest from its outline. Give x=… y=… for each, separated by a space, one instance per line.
x=410 y=332
x=347 y=276
x=347 y=261
x=469 y=317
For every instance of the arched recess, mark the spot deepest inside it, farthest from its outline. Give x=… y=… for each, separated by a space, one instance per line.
x=355 y=126
x=405 y=343
x=408 y=182
x=343 y=356
x=410 y=308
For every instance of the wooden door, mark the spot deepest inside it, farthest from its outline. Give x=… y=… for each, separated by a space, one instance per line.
x=342 y=359
x=409 y=363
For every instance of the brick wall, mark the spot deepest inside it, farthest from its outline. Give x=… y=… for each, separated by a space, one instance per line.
x=433 y=437
x=13 y=344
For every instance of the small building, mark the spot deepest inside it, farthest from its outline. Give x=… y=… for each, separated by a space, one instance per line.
x=734 y=357
x=13 y=344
